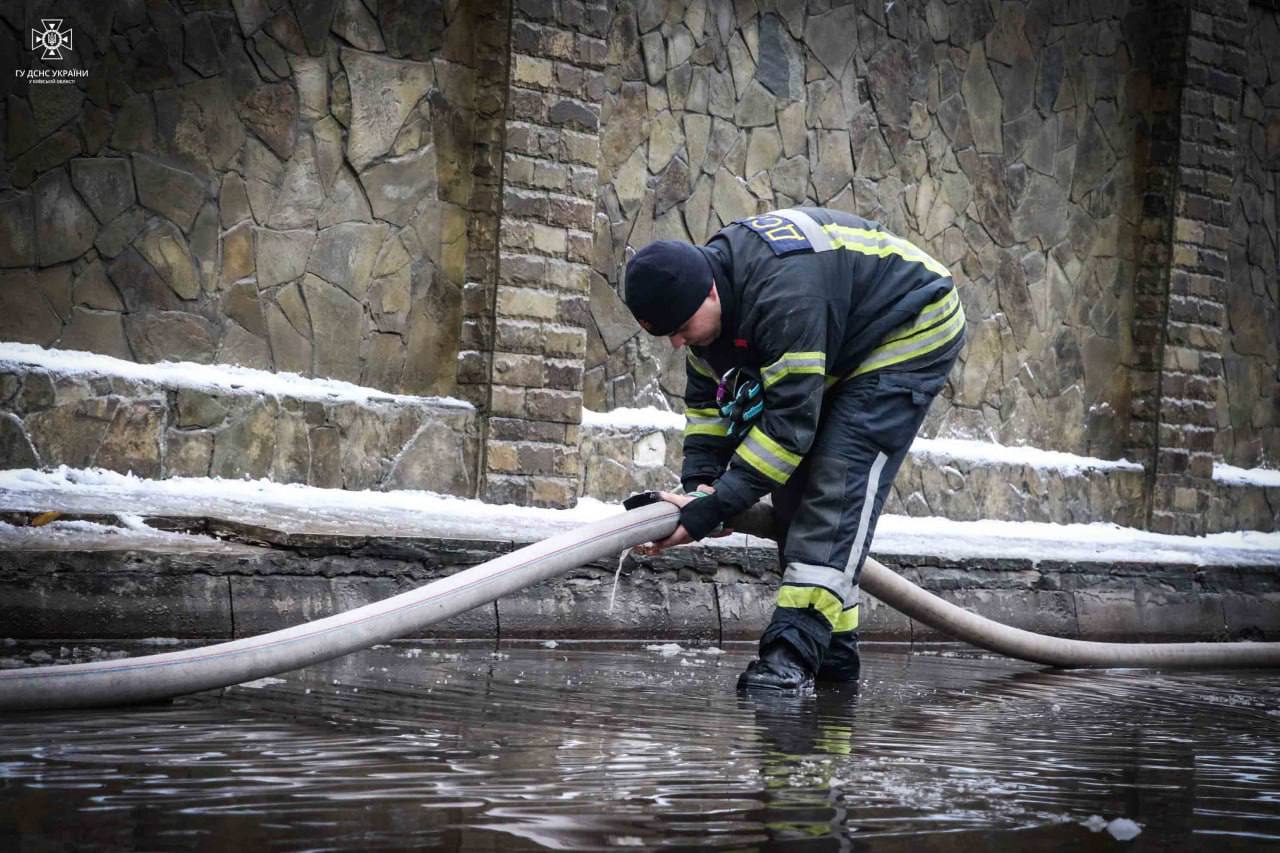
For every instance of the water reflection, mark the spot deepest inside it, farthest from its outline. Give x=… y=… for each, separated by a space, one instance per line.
x=459 y=747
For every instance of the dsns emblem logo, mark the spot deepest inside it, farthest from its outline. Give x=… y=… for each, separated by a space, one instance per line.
x=52 y=39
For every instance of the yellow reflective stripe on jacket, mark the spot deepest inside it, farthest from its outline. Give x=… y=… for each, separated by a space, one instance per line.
x=917 y=340
x=705 y=422
x=794 y=362
x=881 y=244
x=822 y=600
x=698 y=365
x=767 y=456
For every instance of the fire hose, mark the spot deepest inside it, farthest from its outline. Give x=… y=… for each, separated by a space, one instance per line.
x=162 y=676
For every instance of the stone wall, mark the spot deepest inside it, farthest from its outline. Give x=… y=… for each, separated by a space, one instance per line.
x=1007 y=143
x=51 y=418
x=282 y=184
x=127 y=586
x=1248 y=405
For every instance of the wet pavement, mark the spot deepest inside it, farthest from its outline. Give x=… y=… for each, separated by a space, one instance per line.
x=461 y=747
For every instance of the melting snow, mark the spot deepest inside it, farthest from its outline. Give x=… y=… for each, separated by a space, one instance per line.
x=957 y=449
x=417 y=513
x=221 y=378
x=986 y=453
x=648 y=418
x=1266 y=477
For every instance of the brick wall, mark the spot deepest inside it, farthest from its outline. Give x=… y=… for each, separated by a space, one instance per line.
x=1182 y=326
x=530 y=339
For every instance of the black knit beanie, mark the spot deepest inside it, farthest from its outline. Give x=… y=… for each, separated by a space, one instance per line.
x=666 y=283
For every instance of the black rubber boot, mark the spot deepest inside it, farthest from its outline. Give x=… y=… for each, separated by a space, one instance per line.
x=780 y=668
x=841 y=662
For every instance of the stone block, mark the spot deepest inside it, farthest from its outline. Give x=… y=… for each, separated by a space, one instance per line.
x=64 y=227
x=1254 y=616
x=170 y=192
x=187 y=453
x=68 y=595
x=383 y=93
x=532 y=71
x=517 y=369
x=552 y=405
x=643 y=610
x=133 y=441
x=526 y=302
x=270 y=603
x=556 y=493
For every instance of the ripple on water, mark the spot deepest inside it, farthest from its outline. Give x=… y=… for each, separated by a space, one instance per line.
x=405 y=745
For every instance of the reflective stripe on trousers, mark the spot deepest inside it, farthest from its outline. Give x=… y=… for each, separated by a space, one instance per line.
x=827 y=511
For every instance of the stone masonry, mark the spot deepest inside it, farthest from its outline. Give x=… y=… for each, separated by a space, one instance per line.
x=155 y=431
x=540 y=305
x=1180 y=467
x=439 y=196
x=1248 y=424
x=280 y=185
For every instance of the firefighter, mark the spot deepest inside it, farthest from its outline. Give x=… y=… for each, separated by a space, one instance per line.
x=815 y=341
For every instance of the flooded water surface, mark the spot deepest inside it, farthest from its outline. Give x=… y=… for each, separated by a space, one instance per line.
x=461 y=747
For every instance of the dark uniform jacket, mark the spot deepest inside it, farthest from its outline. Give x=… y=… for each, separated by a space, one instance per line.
x=810 y=297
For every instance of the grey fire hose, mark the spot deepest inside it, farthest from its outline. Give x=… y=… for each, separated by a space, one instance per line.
x=154 y=677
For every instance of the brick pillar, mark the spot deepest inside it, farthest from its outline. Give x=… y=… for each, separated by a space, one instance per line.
x=534 y=356
x=1180 y=315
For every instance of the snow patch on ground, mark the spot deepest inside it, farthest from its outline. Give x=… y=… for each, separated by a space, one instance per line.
x=1266 y=477
x=289 y=507
x=218 y=378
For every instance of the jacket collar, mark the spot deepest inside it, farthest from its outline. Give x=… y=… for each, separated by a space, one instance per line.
x=717 y=255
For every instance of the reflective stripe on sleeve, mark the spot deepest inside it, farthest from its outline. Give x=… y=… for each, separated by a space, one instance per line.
x=919 y=338
x=767 y=456
x=705 y=422
x=794 y=362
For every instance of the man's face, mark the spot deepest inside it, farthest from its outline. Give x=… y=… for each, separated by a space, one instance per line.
x=703 y=327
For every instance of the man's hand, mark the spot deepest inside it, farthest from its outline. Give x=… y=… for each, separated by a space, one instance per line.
x=680 y=536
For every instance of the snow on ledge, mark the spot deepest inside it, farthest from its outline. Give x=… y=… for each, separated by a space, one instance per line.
x=987 y=453
x=418 y=513
x=649 y=418
x=219 y=378
x=940 y=449
x=1267 y=478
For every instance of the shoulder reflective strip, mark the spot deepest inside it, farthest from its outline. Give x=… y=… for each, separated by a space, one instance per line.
x=818 y=238
x=705 y=422
x=802 y=597
x=868 y=504
x=906 y=248
x=881 y=244
x=914 y=346
x=846 y=621
x=767 y=456
x=805 y=574
x=794 y=362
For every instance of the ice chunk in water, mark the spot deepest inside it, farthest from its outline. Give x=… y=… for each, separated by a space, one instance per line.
x=1123 y=829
